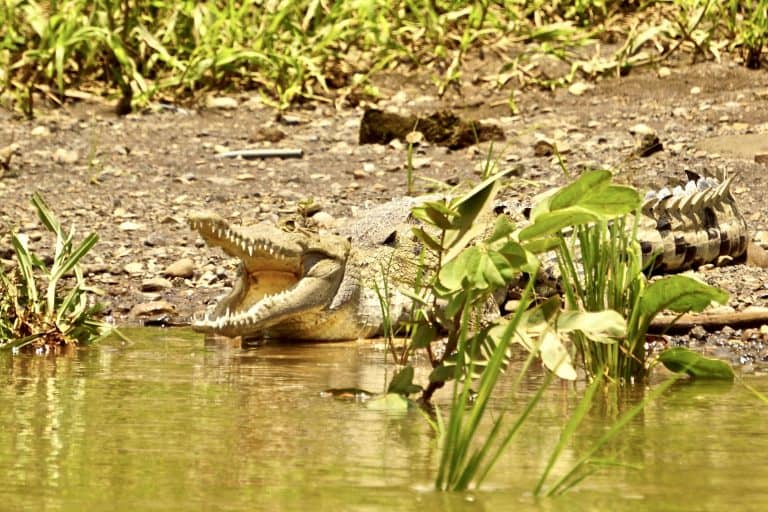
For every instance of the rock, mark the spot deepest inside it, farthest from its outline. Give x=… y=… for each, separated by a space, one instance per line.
x=695 y=90
x=65 y=156
x=267 y=134
x=135 y=267
x=130 y=226
x=543 y=147
x=579 y=88
x=221 y=102
x=664 y=72
x=184 y=267
x=646 y=140
x=155 y=284
x=156 y=307
x=40 y=131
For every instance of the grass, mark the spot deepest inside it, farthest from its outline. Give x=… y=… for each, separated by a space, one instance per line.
x=37 y=308
x=297 y=50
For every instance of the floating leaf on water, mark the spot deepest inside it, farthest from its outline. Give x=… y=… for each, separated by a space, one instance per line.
x=680 y=359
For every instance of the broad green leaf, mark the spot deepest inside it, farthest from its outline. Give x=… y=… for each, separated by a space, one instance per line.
x=423 y=335
x=502 y=229
x=604 y=326
x=392 y=402
x=402 y=382
x=574 y=193
x=612 y=201
x=555 y=356
x=680 y=359
x=679 y=294
x=552 y=222
x=428 y=239
x=442 y=374
x=471 y=208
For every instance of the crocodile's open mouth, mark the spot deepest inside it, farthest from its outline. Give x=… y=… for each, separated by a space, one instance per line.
x=282 y=275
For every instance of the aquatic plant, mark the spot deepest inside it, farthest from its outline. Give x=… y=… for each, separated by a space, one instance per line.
x=602 y=322
x=36 y=306
x=592 y=226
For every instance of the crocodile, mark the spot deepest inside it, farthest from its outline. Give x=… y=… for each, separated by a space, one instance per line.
x=311 y=286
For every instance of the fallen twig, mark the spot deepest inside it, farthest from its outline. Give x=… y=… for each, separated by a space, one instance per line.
x=249 y=154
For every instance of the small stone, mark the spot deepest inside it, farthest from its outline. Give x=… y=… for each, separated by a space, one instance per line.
x=647 y=142
x=664 y=72
x=130 y=226
x=267 y=134
x=543 y=147
x=155 y=284
x=156 y=307
x=695 y=90
x=184 y=267
x=221 y=102
x=698 y=333
x=579 y=88
x=65 y=156
x=135 y=267
x=421 y=162
x=40 y=131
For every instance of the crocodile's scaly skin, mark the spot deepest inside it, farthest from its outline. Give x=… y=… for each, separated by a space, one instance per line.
x=326 y=287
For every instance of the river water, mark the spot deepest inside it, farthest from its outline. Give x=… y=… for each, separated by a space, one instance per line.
x=168 y=422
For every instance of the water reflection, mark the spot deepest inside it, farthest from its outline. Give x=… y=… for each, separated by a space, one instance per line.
x=170 y=420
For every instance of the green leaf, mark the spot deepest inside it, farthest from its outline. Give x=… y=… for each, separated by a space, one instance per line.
x=574 y=193
x=680 y=359
x=603 y=326
x=502 y=229
x=679 y=294
x=442 y=373
x=392 y=402
x=555 y=356
x=553 y=222
x=612 y=201
x=423 y=335
x=427 y=239
x=402 y=382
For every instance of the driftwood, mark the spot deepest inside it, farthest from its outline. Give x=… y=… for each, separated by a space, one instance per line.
x=673 y=324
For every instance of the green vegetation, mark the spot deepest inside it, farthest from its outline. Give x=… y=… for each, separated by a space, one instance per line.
x=51 y=315
x=471 y=255
x=294 y=50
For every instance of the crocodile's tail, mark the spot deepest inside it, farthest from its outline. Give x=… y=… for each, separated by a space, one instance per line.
x=688 y=226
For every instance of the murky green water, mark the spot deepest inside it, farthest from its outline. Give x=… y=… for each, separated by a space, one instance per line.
x=168 y=423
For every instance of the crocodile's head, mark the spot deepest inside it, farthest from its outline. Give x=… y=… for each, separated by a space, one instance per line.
x=285 y=284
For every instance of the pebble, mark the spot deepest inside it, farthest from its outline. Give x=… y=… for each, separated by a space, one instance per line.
x=155 y=284
x=130 y=226
x=135 y=267
x=221 y=102
x=184 y=267
x=579 y=88
x=543 y=147
x=695 y=90
x=40 y=131
x=156 y=307
x=65 y=156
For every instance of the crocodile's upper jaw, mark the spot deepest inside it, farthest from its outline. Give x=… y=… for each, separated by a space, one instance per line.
x=286 y=281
